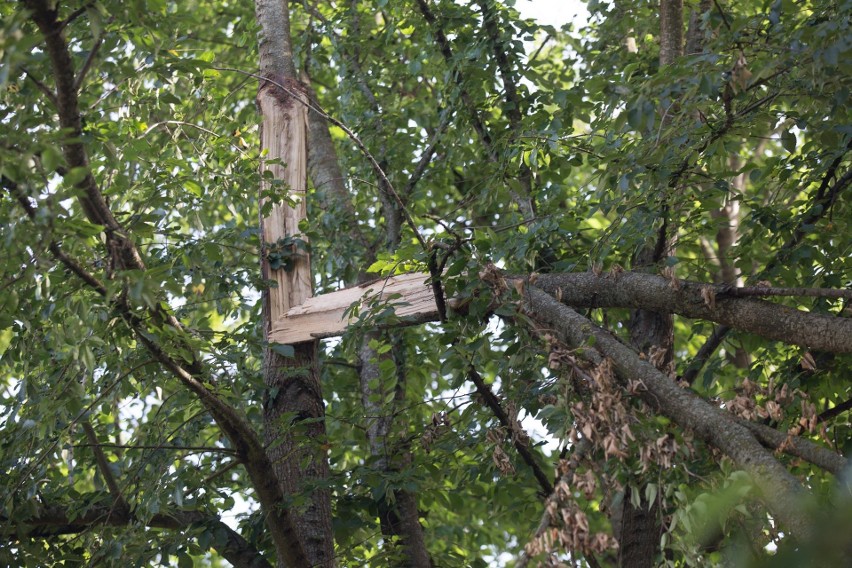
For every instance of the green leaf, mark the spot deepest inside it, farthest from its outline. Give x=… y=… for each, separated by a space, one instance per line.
x=51 y=158
x=75 y=175
x=788 y=141
x=282 y=349
x=193 y=187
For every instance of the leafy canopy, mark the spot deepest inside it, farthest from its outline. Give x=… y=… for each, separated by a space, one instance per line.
x=605 y=138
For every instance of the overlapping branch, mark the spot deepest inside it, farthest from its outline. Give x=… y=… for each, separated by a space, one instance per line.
x=686 y=409
x=796 y=446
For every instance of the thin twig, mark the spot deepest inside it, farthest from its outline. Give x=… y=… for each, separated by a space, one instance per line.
x=40 y=86
x=81 y=76
x=535 y=55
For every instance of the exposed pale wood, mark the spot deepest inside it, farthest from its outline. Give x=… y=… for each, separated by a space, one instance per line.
x=284 y=135
x=325 y=315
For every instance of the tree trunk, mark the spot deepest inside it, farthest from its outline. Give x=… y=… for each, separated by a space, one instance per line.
x=652 y=333
x=293 y=405
x=398 y=513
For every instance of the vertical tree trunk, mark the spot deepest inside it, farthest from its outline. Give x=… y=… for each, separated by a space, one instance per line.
x=398 y=513
x=652 y=333
x=671 y=31
x=293 y=407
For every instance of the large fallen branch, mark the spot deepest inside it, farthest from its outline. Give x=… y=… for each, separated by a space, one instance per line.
x=780 y=491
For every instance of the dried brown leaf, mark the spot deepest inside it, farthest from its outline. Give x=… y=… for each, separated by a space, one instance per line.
x=807 y=362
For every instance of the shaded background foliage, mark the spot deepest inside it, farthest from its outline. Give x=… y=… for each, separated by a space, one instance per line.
x=603 y=135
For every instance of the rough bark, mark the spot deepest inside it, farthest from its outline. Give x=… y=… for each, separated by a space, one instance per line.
x=638 y=532
x=780 y=491
x=671 y=31
x=294 y=410
x=328 y=179
x=799 y=447
x=295 y=436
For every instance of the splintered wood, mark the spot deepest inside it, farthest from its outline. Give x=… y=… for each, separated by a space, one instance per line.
x=294 y=316
x=284 y=135
x=325 y=315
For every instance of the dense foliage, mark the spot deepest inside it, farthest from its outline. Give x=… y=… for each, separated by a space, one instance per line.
x=513 y=146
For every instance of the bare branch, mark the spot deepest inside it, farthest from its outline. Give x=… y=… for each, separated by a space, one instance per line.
x=75 y=14
x=722 y=14
x=428 y=153
x=835 y=411
x=41 y=86
x=758 y=291
x=103 y=466
x=84 y=70
x=196 y=449
x=704 y=353
x=493 y=403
